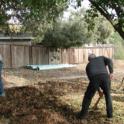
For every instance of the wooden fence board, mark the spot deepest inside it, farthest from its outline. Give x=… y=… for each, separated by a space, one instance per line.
x=64 y=56
x=20 y=55
x=71 y=55
x=80 y=56
x=55 y=56
x=45 y=56
x=6 y=54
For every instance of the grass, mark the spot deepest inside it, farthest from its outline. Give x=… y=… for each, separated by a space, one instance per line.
x=55 y=102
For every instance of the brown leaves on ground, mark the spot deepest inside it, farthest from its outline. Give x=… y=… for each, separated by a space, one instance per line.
x=52 y=100
x=44 y=104
x=28 y=105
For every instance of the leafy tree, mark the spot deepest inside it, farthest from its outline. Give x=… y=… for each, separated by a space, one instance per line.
x=98 y=31
x=74 y=31
x=118 y=44
x=31 y=13
x=112 y=10
x=65 y=35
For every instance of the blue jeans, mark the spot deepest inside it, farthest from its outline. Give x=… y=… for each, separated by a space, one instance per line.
x=1 y=82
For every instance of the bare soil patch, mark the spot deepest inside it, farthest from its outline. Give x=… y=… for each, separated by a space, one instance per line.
x=49 y=97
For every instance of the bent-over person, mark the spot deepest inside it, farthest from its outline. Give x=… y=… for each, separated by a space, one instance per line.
x=99 y=77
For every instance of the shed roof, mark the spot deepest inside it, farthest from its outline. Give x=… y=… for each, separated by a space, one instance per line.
x=16 y=38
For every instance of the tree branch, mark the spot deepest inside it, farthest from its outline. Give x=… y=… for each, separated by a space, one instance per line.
x=118 y=26
x=102 y=11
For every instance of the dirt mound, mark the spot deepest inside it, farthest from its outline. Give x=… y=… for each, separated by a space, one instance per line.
x=49 y=100
x=43 y=104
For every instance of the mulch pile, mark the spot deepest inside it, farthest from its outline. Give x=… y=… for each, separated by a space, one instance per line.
x=41 y=104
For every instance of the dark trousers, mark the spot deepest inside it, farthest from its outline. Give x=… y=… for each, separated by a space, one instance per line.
x=102 y=81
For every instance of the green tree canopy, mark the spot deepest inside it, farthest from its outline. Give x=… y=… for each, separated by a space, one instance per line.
x=112 y=10
x=75 y=31
x=31 y=12
x=65 y=35
x=99 y=29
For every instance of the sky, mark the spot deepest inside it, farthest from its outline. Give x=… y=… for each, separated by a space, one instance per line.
x=85 y=4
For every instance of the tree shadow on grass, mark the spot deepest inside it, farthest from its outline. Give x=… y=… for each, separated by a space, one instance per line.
x=29 y=105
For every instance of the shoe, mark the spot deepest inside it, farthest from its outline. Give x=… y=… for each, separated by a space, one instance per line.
x=110 y=116
x=109 y=119
x=80 y=115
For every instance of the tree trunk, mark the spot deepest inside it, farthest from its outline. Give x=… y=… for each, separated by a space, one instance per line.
x=108 y=17
x=120 y=31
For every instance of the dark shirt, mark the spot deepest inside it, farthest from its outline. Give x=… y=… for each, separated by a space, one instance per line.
x=98 y=65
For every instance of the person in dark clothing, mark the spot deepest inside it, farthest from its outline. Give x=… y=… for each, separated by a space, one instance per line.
x=1 y=77
x=99 y=77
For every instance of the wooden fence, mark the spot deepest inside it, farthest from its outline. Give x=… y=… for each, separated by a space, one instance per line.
x=15 y=56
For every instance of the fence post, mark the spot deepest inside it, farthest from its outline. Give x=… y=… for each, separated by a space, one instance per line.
x=11 y=59
x=30 y=55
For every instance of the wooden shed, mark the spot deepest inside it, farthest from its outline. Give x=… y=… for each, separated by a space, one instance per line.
x=15 y=40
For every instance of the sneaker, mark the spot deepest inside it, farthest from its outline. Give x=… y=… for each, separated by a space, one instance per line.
x=81 y=116
x=110 y=116
x=109 y=119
